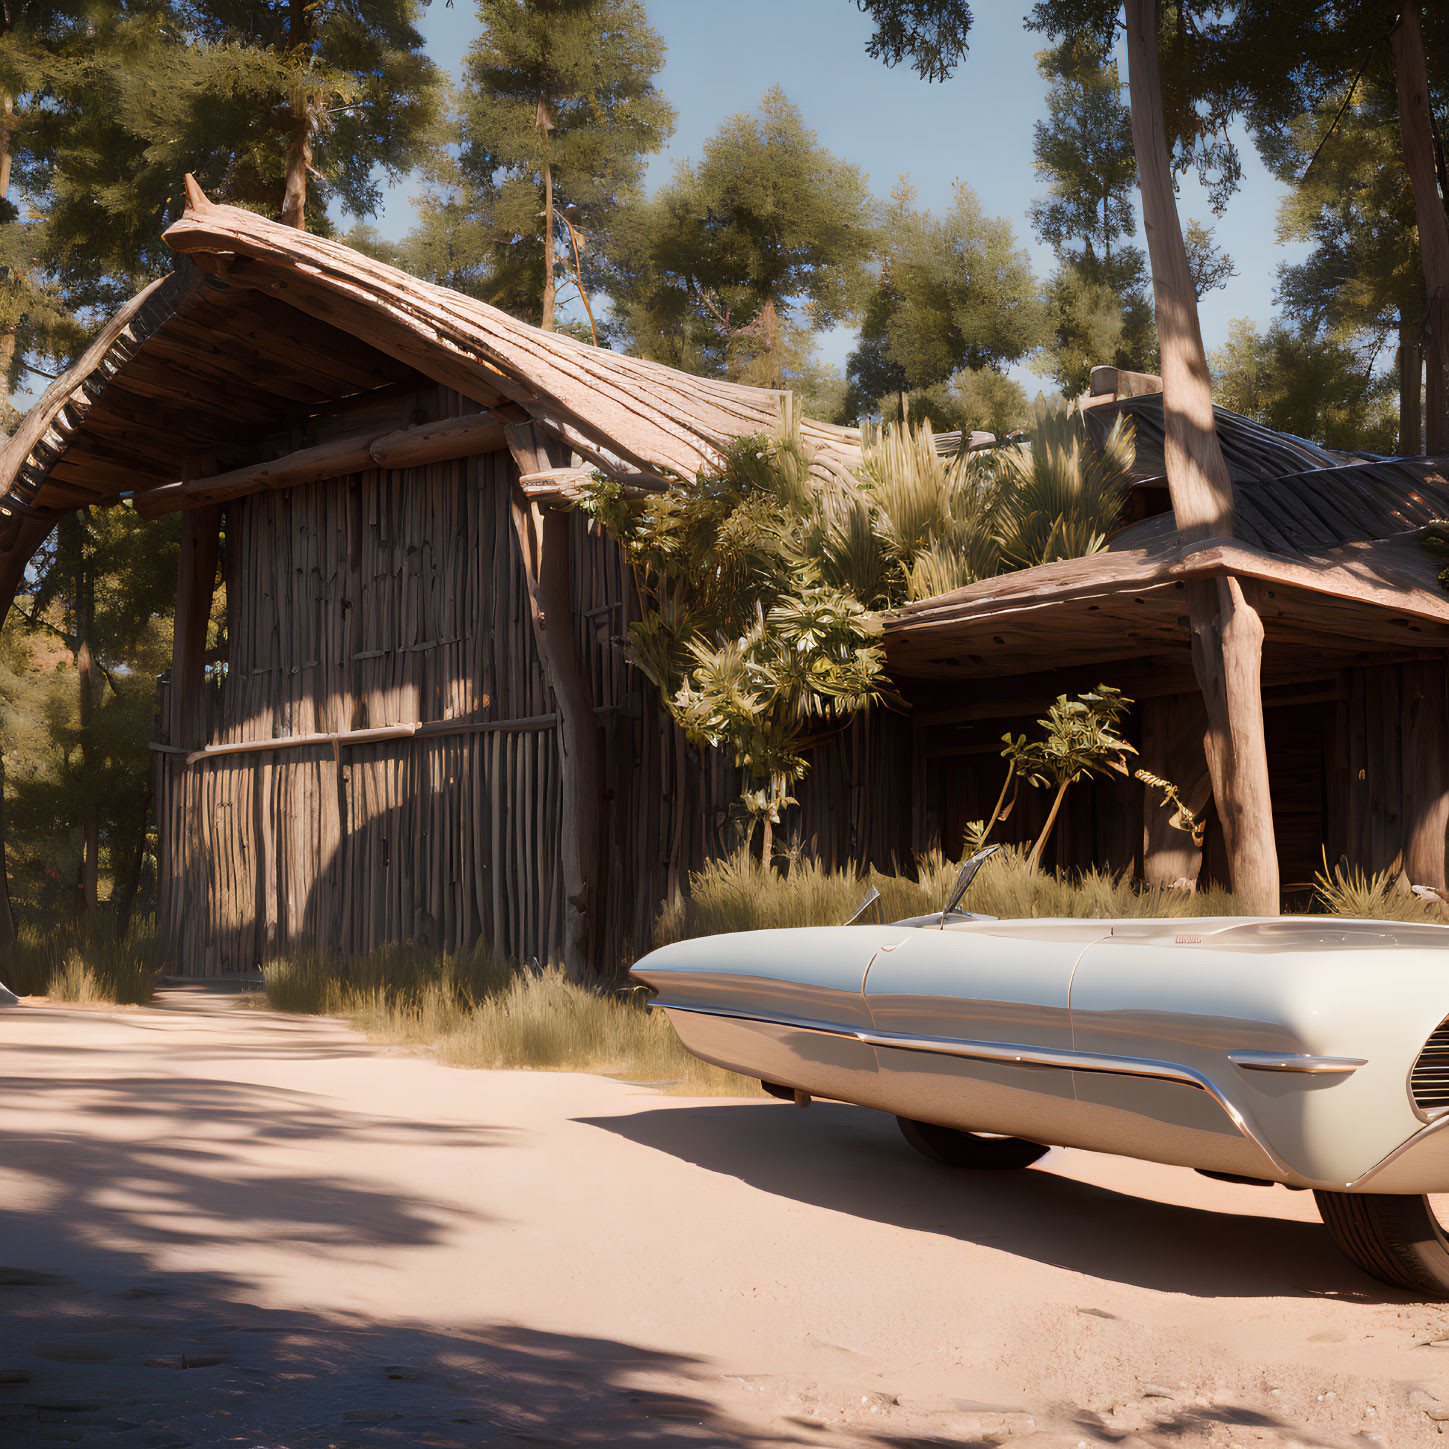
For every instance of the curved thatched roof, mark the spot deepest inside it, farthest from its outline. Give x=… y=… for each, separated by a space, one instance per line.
x=261 y=325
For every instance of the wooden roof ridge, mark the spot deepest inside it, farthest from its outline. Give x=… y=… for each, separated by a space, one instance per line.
x=645 y=412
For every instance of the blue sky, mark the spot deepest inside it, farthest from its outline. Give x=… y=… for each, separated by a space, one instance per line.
x=723 y=55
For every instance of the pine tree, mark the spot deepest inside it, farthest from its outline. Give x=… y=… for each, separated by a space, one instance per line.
x=105 y=585
x=558 y=112
x=1362 y=284
x=1097 y=298
x=37 y=40
x=1299 y=58
x=956 y=291
x=279 y=106
x=746 y=253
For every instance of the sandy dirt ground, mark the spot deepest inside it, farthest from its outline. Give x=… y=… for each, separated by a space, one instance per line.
x=224 y=1226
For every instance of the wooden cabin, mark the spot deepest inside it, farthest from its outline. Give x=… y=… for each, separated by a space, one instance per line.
x=420 y=725
x=1354 y=681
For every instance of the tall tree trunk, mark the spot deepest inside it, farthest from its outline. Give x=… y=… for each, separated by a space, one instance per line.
x=1411 y=374
x=299 y=158
x=1416 y=128
x=1227 y=635
x=299 y=144
x=7 y=337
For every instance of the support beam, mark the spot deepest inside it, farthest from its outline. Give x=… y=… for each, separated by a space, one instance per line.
x=195 y=583
x=1227 y=635
x=401 y=448
x=544 y=545
x=1426 y=773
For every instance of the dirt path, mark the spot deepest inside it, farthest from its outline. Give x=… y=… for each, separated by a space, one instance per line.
x=221 y=1226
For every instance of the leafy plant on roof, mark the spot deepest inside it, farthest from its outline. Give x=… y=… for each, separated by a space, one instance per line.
x=763 y=579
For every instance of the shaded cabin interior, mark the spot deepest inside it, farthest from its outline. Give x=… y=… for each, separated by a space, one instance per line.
x=1354 y=687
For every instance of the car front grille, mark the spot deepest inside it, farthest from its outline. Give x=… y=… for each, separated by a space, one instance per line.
x=1429 y=1080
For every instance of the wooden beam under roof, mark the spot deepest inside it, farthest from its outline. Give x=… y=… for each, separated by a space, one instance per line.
x=398 y=448
x=211 y=365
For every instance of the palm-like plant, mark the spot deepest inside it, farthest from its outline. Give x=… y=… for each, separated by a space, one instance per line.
x=1061 y=495
x=762 y=581
x=1079 y=739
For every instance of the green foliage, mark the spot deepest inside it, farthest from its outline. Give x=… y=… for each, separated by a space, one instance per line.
x=566 y=86
x=474 y=1010
x=1202 y=75
x=1084 y=152
x=106 y=580
x=1079 y=740
x=956 y=291
x=1314 y=387
x=978 y=399
x=90 y=960
x=753 y=632
x=761 y=581
x=1061 y=496
x=931 y=34
x=742 y=255
x=1209 y=266
x=1099 y=314
x=220 y=90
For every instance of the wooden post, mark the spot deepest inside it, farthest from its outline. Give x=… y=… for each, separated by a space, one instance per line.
x=195 y=581
x=28 y=535
x=1227 y=635
x=1416 y=129
x=543 y=542
x=1426 y=773
x=1174 y=744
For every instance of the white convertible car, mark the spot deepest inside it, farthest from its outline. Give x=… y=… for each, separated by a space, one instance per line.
x=1311 y=1051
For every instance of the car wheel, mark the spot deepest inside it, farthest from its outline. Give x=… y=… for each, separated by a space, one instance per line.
x=1396 y=1239
x=969 y=1149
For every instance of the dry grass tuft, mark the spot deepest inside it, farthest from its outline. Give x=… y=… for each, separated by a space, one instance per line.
x=1345 y=890
x=86 y=961
x=474 y=1010
x=739 y=894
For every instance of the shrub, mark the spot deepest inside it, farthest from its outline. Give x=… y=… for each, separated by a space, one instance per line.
x=86 y=961
x=739 y=894
x=474 y=1010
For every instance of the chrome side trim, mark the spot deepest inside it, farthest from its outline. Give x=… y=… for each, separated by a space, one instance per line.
x=1434 y=1127
x=800 y=1024
x=1296 y=1062
x=1012 y=1052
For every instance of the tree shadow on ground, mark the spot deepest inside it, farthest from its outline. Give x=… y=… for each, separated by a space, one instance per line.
x=101 y=1346
x=852 y=1160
